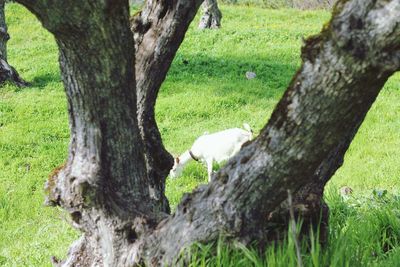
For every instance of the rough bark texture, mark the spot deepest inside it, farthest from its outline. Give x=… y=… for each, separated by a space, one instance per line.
x=308 y=203
x=212 y=16
x=7 y=72
x=158 y=31
x=104 y=184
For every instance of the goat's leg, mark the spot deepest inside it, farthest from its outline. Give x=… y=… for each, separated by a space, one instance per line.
x=209 y=169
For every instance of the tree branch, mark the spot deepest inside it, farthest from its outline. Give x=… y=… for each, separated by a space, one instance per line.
x=158 y=30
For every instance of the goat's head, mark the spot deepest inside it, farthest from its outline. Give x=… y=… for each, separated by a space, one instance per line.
x=176 y=170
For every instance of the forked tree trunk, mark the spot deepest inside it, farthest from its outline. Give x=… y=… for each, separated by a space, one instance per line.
x=104 y=184
x=211 y=18
x=7 y=72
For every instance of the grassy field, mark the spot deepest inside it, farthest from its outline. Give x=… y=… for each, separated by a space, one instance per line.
x=206 y=90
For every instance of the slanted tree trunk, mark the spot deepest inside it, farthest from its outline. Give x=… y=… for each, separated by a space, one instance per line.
x=7 y=72
x=157 y=38
x=105 y=186
x=212 y=16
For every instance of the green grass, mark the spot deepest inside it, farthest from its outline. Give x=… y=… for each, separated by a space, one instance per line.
x=364 y=232
x=206 y=90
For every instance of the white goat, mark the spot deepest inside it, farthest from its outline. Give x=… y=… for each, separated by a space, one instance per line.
x=218 y=147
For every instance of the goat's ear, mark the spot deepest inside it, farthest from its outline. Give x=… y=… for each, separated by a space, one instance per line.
x=177 y=160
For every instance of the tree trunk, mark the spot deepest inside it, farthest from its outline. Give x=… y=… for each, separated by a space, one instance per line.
x=212 y=16
x=105 y=186
x=135 y=2
x=157 y=38
x=7 y=72
x=4 y=36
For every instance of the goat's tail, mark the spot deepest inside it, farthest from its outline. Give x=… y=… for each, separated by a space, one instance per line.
x=248 y=128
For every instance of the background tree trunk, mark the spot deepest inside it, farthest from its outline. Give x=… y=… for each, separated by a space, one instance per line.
x=212 y=16
x=7 y=72
x=136 y=2
x=4 y=36
x=157 y=38
x=104 y=184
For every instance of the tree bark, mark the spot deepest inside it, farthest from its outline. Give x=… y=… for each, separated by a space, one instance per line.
x=7 y=72
x=104 y=184
x=158 y=36
x=212 y=16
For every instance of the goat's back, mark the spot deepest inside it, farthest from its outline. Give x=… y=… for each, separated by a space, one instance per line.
x=220 y=146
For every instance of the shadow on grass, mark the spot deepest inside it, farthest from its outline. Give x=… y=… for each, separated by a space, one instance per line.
x=41 y=81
